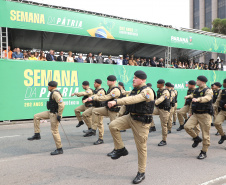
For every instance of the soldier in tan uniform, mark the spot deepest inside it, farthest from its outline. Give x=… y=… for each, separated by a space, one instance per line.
x=140 y=106
x=202 y=114
x=87 y=115
x=175 y=107
x=113 y=93
x=55 y=105
x=162 y=108
x=216 y=92
x=87 y=93
x=221 y=102
x=124 y=92
x=172 y=105
x=182 y=113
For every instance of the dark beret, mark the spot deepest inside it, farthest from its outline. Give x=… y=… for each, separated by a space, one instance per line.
x=161 y=81
x=218 y=84
x=140 y=74
x=212 y=85
x=224 y=80
x=52 y=84
x=85 y=83
x=202 y=78
x=192 y=82
x=99 y=81
x=111 y=78
x=120 y=83
x=149 y=84
x=172 y=85
x=168 y=84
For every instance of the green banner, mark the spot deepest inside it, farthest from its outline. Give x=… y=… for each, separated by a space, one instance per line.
x=33 y=17
x=24 y=84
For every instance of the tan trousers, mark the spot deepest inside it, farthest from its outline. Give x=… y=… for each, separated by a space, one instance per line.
x=78 y=111
x=87 y=117
x=97 y=113
x=218 y=122
x=204 y=120
x=54 y=125
x=152 y=123
x=121 y=111
x=182 y=114
x=175 y=113
x=164 y=116
x=170 y=120
x=215 y=109
x=140 y=133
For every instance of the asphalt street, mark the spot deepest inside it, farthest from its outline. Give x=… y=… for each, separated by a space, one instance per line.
x=29 y=162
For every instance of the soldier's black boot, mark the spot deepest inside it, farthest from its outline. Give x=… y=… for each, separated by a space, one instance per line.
x=139 y=178
x=197 y=140
x=36 y=136
x=111 y=153
x=185 y=121
x=180 y=128
x=222 y=139
x=212 y=124
x=57 y=152
x=98 y=142
x=217 y=134
x=122 y=130
x=119 y=153
x=174 y=123
x=152 y=129
x=85 y=131
x=202 y=155
x=91 y=132
x=169 y=131
x=79 y=124
x=162 y=143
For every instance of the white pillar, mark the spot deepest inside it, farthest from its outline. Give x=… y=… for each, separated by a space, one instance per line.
x=201 y=14
x=191 y=14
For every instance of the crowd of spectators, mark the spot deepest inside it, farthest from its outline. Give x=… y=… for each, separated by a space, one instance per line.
x=120 y=60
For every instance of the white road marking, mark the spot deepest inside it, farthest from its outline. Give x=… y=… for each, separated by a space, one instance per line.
x=214 y=180
x=9 y=136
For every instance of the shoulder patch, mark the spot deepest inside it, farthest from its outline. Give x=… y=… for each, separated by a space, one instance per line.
x=60 y=100
x=147 y=95
x=113 y=94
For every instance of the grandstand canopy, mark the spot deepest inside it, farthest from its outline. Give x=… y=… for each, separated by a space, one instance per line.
x=46 y=27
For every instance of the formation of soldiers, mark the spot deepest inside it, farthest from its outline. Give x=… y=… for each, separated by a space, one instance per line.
x=134 y=109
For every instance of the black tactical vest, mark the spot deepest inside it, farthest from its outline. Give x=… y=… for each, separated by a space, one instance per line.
x=166 y=103
x=176 y=92
x=99 y=103
x=172 y=103
x=88 y=104
x=188 y=101
x=201 y=108
x=142 y=107
x=223 y=99
x=215 y=95
x=52 y=105
x=115 y=108
x=154 y=94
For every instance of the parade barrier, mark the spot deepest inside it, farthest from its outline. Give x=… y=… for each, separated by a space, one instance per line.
x=24 y=84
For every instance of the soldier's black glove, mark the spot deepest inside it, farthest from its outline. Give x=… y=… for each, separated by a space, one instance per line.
x=59 y=118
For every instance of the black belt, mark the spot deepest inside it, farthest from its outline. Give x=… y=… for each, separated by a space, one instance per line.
x=147 y=119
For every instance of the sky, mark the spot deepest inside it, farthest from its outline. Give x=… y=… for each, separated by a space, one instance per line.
x=168 y=12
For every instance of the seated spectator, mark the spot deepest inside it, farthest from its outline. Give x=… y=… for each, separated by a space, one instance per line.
x=26 y=57
x=139 y=61
x=221 y=65
x=215 y=66
x=132 y=62
x=179 y=65
x=29 y=53
x=211 y=63
x=187 y=66
x=154 y=62
x=99 y=58
x=119 y=61
x=196 y=66
x=126 y=61
x=206 y=67
x=145 y=63
x=201 y=67
x=25 y=53
x=32 y=57
x=80 y=59
x=9 y=53
x=175 y=65
x=161 y=62
x=211 y=67
x=109 y=60
x=61 y=57
x=172 y=65
x=42 y=56
x=94 y=59
x=36 y=55
x=17 y=55
x=50 y=56
x=89 y=58
x=70 y=58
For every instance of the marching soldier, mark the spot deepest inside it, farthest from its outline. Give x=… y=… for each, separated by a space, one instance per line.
x=216 y=92
x=87 y=93
x=140 y=105
x=221 y=102
x=55 y=105
x=124 y=92
x=87 y=115
x=202 y=114
x=113 y=93
x=172 y=105
x=175 y=107
x=162 y=109
x=182 y=113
